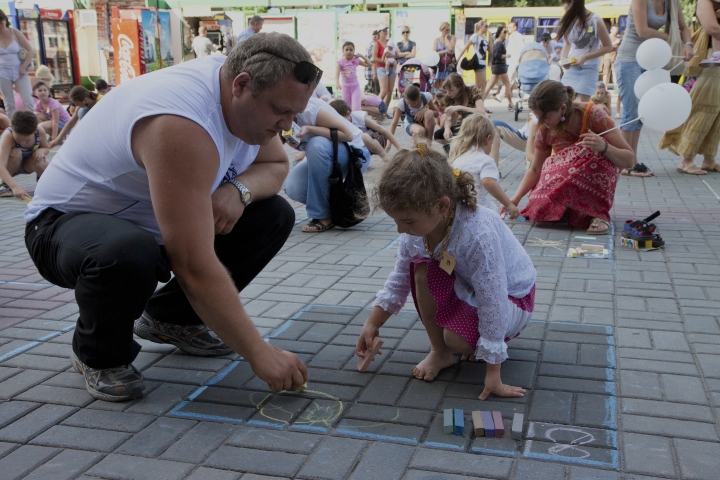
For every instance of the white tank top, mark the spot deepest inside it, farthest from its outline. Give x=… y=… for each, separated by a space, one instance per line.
x=95 y=170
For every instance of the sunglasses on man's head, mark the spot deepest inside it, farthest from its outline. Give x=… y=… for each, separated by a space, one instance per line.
x=304 y=71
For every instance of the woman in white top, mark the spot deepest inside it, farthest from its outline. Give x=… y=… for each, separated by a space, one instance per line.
x=308 y=182
x=482 y=48
x=12 y=68
x=586 y=41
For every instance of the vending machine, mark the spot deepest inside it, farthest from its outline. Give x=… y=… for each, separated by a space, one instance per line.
x=57 y=47
x=128 y=48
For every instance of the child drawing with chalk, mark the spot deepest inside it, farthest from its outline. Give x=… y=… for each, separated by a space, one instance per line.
x=472 y=282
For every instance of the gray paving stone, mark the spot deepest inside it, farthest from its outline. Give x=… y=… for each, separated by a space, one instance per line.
x=204 y=473
x=219 y=412
x=585 y=473
x=66 y=465
x=595 y=410
x=381 y=413
x=640 y=384
x=35 y=422
x=22 y=381
x=11 y=411
x=178 y=375
x=333 y=357
x=119 y=421
x=192 y=362
x=670 y=427
x=137 y=468
x=256 y=461
x=667 y=410
x=162 y=399
x=560 y=352
x=683 y=389
x=23 y=460
x=156 y=438
x=552 y=407
x=461 y=463
x=280 y=410
x=710 y=365
x=60 y=395
x=575 y=385
x=597 y=355
x=81 y=438
x=197 y=444
x=437 y=438
x=379 y=431
x=384 y=460
x=384 y=390
x=285 y=441
x=425 y=475
x=423 y=395
x=321 y=332
x=416 y=341
x=534 y=469
x=333 y=459
x=573 y=371
x=697 y=460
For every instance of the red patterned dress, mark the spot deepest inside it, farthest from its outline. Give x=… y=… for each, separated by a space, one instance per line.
x=573 y=179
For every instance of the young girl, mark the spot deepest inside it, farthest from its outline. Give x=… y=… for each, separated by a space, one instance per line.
x=84 y=100
x=419 y=109
x=347 y=68
x=375 y=137
x=374 y=105
x=470 y=152
x=603 y=98
x=23 y=149
x=51 y=115
x=472 y=282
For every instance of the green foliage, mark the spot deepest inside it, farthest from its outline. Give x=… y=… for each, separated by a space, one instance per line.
x=688 y=8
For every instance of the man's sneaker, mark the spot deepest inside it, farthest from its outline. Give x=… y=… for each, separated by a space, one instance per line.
x=111 y=384
x=196 y=340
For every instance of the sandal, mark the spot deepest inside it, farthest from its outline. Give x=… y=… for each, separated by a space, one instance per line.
x=5 y=191
x=639 y=170
x=596 y=223
x=691 y=169
x=316 y=226
x=713 y=167
x=511 y=108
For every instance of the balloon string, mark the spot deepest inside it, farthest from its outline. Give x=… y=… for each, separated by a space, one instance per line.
x=615 y=128
x=678 y=65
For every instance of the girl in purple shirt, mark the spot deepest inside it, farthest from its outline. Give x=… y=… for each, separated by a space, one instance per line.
x=51 y=115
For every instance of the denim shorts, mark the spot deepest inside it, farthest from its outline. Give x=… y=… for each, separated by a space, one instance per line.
x=382 y=107
x=627 y=73
x=382 y=72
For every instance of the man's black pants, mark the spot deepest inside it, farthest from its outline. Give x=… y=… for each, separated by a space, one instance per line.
x=114 y=267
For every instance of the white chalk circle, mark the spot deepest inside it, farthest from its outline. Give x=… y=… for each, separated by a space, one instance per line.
x=665 y=107
x=649 y=79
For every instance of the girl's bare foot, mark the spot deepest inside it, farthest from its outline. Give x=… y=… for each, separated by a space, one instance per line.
x=429 y=368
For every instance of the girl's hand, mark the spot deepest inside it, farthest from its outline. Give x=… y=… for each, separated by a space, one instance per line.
x=504 y=209
x=388 y=147
x=337 y=87
x=420 y=115
x=579 y=62
x=19 y=193
x=593 y=142
x=500 y=389
x=688 y=53
x=365 y=341
x=304 y=130
x=513 y=211
x=452 y=109
x=447 y=135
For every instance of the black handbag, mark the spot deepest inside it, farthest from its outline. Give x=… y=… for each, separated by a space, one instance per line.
x=348 y=198
x=472 y=64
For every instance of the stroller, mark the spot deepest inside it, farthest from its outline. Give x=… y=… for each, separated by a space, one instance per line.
x=533 y=68
x=413 y=71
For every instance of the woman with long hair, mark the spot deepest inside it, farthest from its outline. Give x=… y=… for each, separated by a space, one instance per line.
x=574 y=171
x=459 y=102
x=499 y=66
x=444 y=45
x=586 y=41
x=386 y=74
x=482 y=48
x=643 y=22
x=13 y=68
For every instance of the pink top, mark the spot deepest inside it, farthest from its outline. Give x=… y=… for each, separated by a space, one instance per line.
x=348 y=70
x=372 y=100
x=52 y=105
x=19 y=101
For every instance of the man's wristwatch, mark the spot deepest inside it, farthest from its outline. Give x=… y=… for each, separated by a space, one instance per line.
x=245 y=195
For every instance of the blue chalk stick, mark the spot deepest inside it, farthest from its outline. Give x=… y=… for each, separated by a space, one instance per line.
x=459 y=421
x=489 y=424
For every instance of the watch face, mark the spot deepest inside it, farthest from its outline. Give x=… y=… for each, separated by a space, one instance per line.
x=247 y=196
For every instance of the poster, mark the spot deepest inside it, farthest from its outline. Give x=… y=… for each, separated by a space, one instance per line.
x=165 y=39
x=127 y=48
x=358 y=28
x=424 y=27
x=152 y=40
x=284 y=24
x=320 y=42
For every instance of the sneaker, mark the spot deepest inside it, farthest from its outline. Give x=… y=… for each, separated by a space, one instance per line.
x=196 y=340
x=117 y=384
x=713 y=61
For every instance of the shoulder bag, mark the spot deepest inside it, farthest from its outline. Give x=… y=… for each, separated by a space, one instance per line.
x=348 y=198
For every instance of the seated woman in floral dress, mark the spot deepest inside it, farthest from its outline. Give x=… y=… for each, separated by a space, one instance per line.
x=574 y=171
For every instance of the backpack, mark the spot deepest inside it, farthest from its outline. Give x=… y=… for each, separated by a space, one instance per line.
x=348 y=198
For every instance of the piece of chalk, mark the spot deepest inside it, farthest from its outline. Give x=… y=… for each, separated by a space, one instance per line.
x=589 y=246
x=489 y=424
x=578 y=238
x=303 y=388
x=498 y=423
x=521 y=218
x=448 y=420
x=517 y=426
x=478 y=424
x=459 y=419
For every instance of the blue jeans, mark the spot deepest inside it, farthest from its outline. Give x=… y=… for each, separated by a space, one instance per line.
x=627 y=74
x=308 y=182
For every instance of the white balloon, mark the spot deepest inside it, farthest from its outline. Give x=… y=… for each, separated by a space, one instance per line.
x=433 y=58
x=665 y=107
x=653 y=53
x=555 y=73
x=649 y=79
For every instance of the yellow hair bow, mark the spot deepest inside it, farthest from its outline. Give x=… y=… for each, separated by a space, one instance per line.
x=456 y=172
x=422 y=149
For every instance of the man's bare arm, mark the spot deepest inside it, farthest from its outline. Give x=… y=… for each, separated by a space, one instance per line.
x=181 y=161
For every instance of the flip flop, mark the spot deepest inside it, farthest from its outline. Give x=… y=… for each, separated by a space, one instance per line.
x=5 y=191
x=691 y=169
x=596 y=224
x=639 y=170
x=316 y=226
x=714 y=167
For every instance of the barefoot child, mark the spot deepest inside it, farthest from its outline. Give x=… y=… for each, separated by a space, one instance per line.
x=374 y=105
x=347 y=69
x=375 y=137
x=419 y=109
x=472 y=282
x=470 y=152
x=23 y=149
x=51 y=115
x=603 y=98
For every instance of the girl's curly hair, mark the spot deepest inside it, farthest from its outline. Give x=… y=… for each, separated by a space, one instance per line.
x=414 y=180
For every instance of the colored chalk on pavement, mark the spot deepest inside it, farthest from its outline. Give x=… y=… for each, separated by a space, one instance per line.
x=448 y=420
x=498 y=422
x=478 y=424
x=459 y=421
x=517 y=426
x=488 y=423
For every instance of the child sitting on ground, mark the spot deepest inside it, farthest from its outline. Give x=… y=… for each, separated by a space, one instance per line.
x=419 y=109
x=374 y=105
x=51 y=115
x=470 y=152
x=472 y=282
x=603 y=98
x=374 y=137
x=23 y=149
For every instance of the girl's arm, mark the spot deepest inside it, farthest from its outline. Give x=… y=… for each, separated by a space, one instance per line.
x=374 y=126
x=68 y=126
x=616 y=150
x=465 y=48
x=530 y=142
x=565 y=50
x=395 y=120
x=24 y=43
x=494 y=189
x=55 y=122
x=337 y=76
x=604 y=39
x=324 y=122
x=364 y=62
x=532 y=175
x=44 y=145
x=431 y=105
